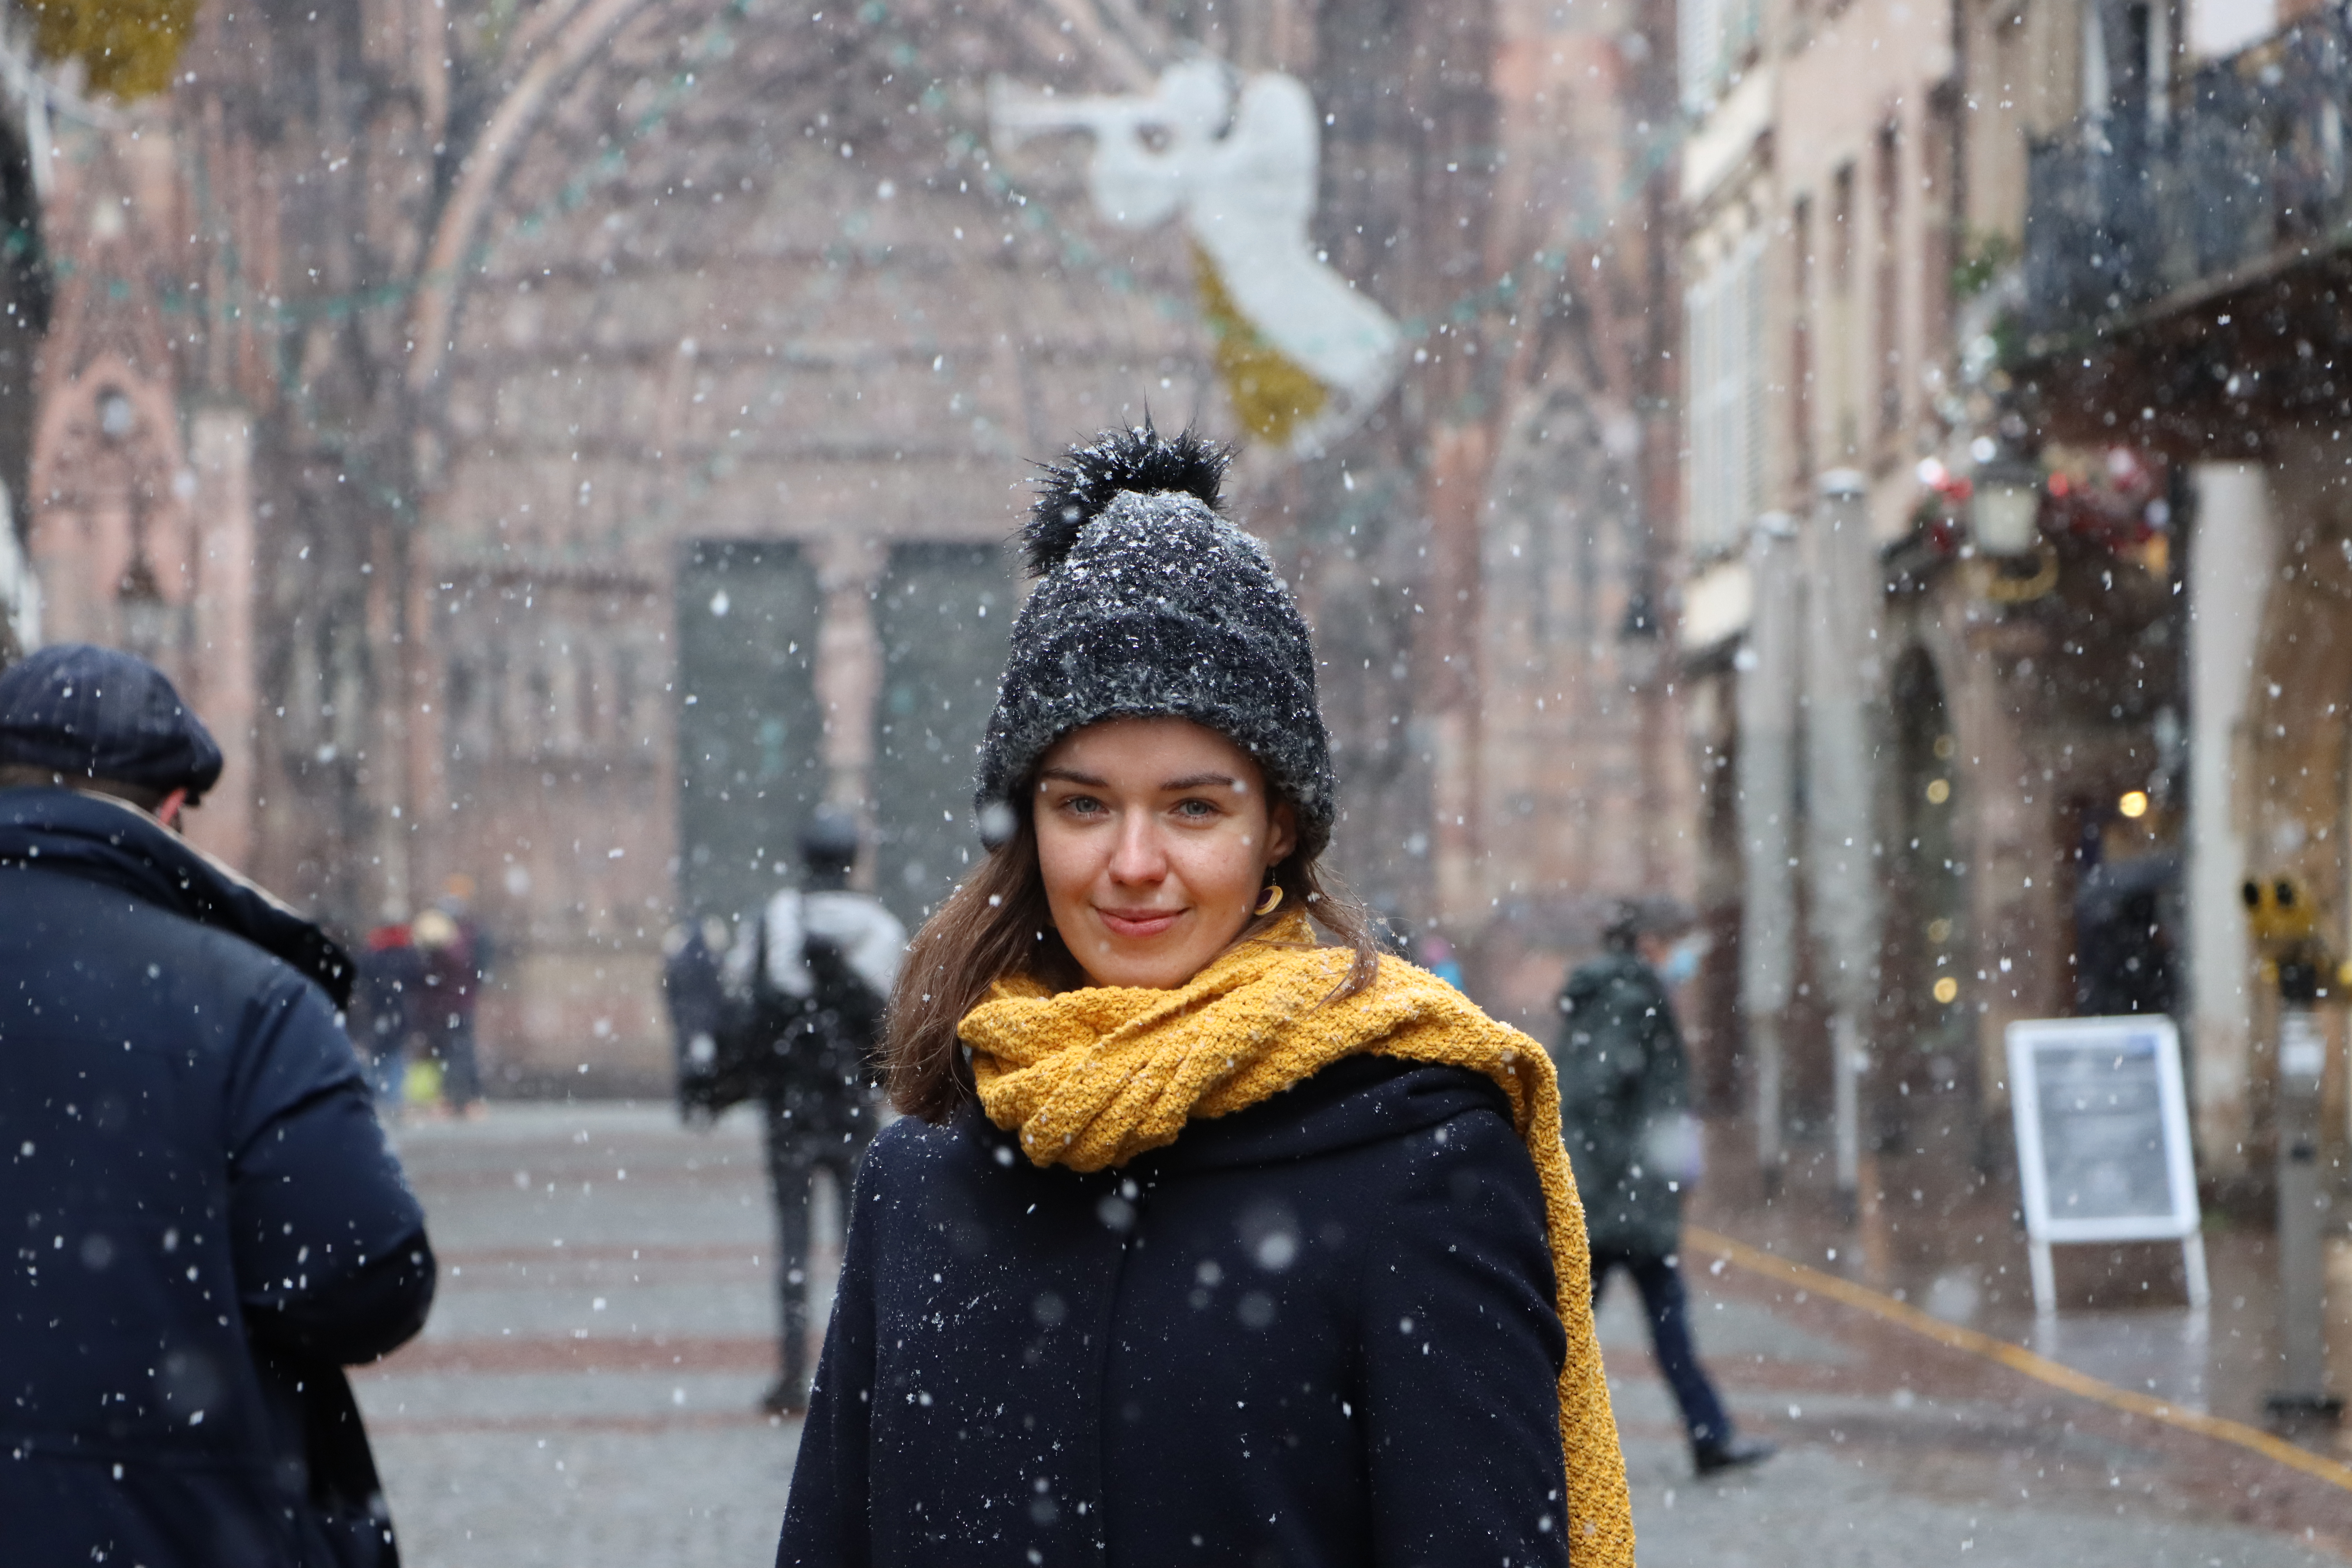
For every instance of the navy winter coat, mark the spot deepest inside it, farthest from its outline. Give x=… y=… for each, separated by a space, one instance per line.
x=201 y=1219
x=1317 y=1332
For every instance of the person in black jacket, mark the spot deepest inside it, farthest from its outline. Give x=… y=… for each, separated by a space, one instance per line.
x=204 y=1222
x=1625 y=1109
x=1201 y=1241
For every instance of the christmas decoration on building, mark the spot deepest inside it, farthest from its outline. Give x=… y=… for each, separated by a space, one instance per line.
x=1303 y=355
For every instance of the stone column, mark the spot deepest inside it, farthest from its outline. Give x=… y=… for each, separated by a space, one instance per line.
x=1446 y=640
x=384 y=781
x=848 y=673
x=423 y=696
x=1839 y=643
x=220 y=463
x=1769 y=670
x=2229 y=570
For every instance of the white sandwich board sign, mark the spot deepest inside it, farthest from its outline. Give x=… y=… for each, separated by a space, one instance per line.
x=2103 y=1153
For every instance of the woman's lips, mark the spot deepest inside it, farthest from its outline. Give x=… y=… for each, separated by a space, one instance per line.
x=1136 y=924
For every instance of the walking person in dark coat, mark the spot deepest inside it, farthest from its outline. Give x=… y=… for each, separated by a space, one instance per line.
x=1624 y=1089
x=809 y=974
x=384 y=1008
x=2123 y=951
x=1202 y=1240
x=696 y=996
x=204 y=1223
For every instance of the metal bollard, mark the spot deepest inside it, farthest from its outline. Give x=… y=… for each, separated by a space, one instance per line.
x=2303 y=1206
x=2285 y=928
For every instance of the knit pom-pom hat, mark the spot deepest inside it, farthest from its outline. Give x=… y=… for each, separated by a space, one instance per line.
x=1149 y=604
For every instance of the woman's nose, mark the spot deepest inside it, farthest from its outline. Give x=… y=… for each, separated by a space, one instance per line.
x=1137 y=856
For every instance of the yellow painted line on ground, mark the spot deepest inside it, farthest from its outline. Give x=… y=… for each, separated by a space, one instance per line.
x=2017 y=1358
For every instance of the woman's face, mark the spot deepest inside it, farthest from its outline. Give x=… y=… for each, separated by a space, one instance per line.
x=1154 y=837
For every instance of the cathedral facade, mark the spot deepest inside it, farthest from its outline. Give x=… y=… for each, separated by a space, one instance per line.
x=558 y=461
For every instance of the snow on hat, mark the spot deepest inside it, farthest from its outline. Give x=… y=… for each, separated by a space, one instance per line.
x=1149 y=604
x=95 y=712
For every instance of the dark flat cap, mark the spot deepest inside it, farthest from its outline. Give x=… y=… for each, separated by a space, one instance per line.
x=97 y=712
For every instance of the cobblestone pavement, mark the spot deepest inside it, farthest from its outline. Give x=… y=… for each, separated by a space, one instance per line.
x=584 y=1396
x=585 y=1392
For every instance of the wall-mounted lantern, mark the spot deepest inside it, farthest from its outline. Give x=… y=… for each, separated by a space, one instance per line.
x=2005 y=509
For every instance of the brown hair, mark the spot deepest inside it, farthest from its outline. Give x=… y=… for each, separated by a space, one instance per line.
x=997 y=922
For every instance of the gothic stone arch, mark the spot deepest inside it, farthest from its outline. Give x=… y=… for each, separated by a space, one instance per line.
x=811 y=311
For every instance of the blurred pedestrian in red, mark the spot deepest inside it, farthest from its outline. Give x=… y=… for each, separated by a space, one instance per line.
x=456 y=964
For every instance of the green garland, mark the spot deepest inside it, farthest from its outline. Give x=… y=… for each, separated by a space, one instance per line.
x=130 y=47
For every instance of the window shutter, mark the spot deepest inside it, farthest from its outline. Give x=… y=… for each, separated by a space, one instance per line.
x=1751 y=384
x=1702 y=50
x=1704 y=462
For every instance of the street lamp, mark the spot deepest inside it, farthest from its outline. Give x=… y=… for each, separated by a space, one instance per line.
x=2005 y=507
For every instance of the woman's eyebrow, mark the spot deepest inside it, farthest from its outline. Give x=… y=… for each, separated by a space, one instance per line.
x=1070 y=776
x=1203 y=781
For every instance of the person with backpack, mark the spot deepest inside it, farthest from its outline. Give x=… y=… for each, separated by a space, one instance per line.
x=1207 y=1236
x=808 y=977
x=1624 y=1095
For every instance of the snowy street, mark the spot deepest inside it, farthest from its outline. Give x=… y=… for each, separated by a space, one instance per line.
x=585 y=1395
x=1194 y=571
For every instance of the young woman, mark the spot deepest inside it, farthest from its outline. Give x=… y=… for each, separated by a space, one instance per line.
x=1203 y=1241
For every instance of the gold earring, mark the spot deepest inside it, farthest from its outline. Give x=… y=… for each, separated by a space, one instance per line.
x=1272 y=899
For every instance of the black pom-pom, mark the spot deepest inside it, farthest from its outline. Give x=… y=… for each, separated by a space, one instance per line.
x=1074 y=491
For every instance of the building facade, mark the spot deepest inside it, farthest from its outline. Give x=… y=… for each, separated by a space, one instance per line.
x=2191 y=309
x=557 y=460
x=1987 y=616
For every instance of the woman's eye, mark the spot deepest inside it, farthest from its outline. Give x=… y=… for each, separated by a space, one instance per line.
x=1196 y=810
x=1082 y=805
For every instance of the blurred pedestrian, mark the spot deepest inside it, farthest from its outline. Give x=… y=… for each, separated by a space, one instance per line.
x=2123 y=948
x=456 y=964
x=1437 y=956
x=696 y=994
x=810 y=973
x=209 y=1224
x=1201 y=1241
x=384 y=1009
x=1625 y=1107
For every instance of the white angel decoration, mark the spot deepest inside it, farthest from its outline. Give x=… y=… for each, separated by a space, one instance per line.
x=1302 y=353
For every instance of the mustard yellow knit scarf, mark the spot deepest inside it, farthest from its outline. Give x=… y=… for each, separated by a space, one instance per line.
x=1094 y=1078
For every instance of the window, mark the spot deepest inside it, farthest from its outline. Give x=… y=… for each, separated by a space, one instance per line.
x=1838 y=355
x=1886 y=288
x=1718 y=38
x=1724 y=415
